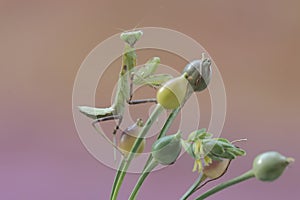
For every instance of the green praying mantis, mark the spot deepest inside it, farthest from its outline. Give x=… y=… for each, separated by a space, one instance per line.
x=129 y=76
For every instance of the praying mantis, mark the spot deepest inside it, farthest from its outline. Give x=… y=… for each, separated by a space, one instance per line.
x=128 y=76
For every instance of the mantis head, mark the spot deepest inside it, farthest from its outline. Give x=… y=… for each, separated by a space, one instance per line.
x=131 y=37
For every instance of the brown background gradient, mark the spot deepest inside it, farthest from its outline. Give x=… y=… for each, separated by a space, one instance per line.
x=255 y=45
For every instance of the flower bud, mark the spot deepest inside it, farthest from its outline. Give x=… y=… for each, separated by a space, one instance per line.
x=270 y=165
x=166 y=149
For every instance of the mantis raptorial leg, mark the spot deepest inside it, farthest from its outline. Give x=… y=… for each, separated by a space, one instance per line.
x=139 y=101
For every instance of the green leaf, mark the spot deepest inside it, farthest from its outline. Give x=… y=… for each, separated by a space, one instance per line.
x=223 y=140
x=199 y=134
x=221 y=148
x=229 y=155
x=238 y=151
x=188 y=148
x=213 y=146
x=95 y=113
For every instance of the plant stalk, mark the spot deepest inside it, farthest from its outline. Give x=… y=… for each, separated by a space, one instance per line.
x=126 y=161
x=148 y=166
x=193 y=188
x=164 y=130
x=139 y=183
x=227 y=184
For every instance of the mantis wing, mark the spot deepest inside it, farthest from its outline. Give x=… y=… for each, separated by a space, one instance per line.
x=154 y=80
x=96 y=113
x=146 y=70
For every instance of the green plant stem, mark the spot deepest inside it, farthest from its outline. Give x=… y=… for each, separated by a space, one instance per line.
x=164 y=130
x=195 y=185
x=227 y=184
x=139 y=183
x=126 y=161
x=148 y=166
x=117 y=177
x=168 y=123
x=166 y=127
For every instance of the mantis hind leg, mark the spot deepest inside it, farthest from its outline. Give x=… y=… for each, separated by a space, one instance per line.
x=112 y=117
x=117 y=127
x=114 y=142
x=140 y=101
x=120 y=117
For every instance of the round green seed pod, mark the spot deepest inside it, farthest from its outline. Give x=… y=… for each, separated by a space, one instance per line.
x=166 y=149
x=198 y=73
x=172 y=94
x=129 y=136
x=270 y=165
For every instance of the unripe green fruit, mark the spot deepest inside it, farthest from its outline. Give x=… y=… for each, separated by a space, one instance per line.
x=269 y=166
x=216 y=168
x=166 y=149
x=128 y=138
x=172 y=94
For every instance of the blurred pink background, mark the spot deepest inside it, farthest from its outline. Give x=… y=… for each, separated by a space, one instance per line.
x=255 y=45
